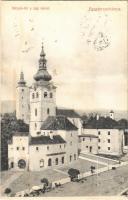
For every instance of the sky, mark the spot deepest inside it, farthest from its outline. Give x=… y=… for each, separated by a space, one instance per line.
x=86 y=50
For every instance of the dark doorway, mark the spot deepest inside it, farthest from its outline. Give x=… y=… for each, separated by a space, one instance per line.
x=12 y=164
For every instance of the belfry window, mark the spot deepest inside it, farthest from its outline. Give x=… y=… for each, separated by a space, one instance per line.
x=45 y=94
x=36 y=112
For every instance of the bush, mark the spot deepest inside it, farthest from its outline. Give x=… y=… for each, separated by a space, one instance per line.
x=45 y=181
x=7 y=191
x=73 y=173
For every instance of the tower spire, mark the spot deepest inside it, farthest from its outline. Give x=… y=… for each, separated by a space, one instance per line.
x=42 y=73
x=42 y=60
x=22 y=82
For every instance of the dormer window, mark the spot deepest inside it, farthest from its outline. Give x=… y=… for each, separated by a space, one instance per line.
x=45 y=94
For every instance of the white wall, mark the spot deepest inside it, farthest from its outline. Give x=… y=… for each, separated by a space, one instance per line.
x=15 y=155
x=89 y=142
x=43 y=153
x=41 y=104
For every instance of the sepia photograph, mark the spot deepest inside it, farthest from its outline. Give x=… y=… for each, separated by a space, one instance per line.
x=64 y=99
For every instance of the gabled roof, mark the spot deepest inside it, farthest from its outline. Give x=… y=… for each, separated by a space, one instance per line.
x=67 y=113
x=57 y=139
x=58 y=123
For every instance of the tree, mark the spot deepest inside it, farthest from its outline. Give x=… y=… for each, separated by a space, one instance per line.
x=9 y=124
x=73 y=173
x=7 y=191
x=45 y=181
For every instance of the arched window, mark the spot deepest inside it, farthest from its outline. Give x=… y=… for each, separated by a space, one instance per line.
x=62 y=160
x=41 y=163
x=48 y=111
x=22 y=164
x=45 y=94
x=56 y=161
x=70 y=158
x=35 y=111
x=51 y=95
x=74 y=156
x=33 y=95
x=49 y=162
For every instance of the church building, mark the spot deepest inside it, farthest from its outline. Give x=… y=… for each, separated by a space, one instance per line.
x=52 y=139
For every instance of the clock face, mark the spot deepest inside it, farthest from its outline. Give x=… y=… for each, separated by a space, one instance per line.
x=22 y=164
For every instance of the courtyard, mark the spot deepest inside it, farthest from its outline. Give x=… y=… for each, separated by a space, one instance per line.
x=109 y=183
x=27 y=179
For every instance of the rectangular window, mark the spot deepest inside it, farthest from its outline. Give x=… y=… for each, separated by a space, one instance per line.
x=60 y=146
x=23 y=148
x=108 y=132
x=47 y=147
x=98 y=140
x=98 y=132
x=83 y=139
x=108 y=140
x=36 y=112
x=17 y=148
x=37 y=148
x=108 y=148
x=86 y=146
x=98 y=147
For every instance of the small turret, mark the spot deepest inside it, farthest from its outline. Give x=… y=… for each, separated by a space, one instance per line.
x=22 y=82
x=111 y=114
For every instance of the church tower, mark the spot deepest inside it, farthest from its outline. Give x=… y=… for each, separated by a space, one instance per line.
x=42 y=97
x=22 y=100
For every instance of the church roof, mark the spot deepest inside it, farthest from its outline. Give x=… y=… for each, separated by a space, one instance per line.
x=57 y=139
x=58 y=123
x=67 y=113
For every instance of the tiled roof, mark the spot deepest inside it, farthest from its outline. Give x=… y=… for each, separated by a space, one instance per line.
x=67 y=113
x=102 y=123
x=58 y=123
x=17 y=133
x=57 y=139
x=88 y=135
